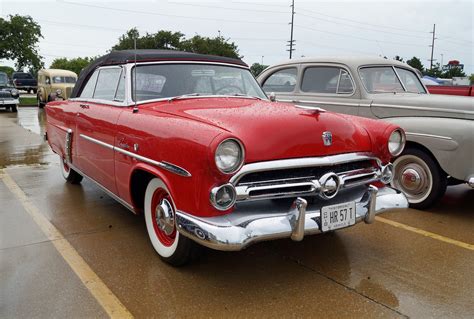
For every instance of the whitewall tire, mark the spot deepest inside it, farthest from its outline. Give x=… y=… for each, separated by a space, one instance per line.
x=159 y=209
x=70 y=175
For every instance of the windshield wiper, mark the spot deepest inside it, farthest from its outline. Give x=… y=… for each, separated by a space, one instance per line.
x=182 y=96
x=246 y=95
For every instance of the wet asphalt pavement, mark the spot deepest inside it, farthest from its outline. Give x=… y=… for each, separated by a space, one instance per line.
x=420 y=267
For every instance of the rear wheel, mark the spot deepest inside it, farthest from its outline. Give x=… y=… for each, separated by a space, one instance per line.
x=419 y=177
x=160 y=222
x=70 y=175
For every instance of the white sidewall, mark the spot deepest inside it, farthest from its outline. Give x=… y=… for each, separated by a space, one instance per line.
x=162 y=250
x=63 y=170
x=416 y=159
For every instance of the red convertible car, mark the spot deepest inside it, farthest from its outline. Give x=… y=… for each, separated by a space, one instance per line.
x=192 y=141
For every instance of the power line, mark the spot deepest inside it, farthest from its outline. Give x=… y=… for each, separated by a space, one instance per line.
x=364 y=23
x=170 y=15
x=364 y=28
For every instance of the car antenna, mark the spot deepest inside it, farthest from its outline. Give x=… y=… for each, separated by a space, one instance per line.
x=135 y=108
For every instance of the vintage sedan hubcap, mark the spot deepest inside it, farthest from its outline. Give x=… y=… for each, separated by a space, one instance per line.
x=165 y=217
x=413 y=177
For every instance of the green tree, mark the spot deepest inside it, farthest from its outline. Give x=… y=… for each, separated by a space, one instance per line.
x=257 y=68
x=416 y=63
x=215 y=46
x=471 y=78
x=175 y=40
x=449 y=74
x=435 y=72
x=8 y=70
x=19 y=37
x=160 y=40
x=74 y=65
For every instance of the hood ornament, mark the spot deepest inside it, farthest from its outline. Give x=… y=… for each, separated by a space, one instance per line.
x=311 y=108
x=327 y=138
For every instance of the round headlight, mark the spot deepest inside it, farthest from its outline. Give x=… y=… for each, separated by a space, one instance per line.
x=396 y=142
x=14 y=93
x=229 y=156
x=58 y=92
x=223 y=197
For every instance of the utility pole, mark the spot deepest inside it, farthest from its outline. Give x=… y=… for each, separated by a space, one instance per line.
x=432 y=46
x=292 y=42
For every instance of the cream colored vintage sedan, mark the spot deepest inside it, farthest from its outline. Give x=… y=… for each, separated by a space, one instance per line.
x=54 y=84
x=439 y=128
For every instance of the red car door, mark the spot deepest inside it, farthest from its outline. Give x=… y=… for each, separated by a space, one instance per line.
x=96 y=126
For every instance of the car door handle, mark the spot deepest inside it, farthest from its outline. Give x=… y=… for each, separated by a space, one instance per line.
x=84 y=106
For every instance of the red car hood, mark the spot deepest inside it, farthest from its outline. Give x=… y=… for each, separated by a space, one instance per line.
x=271 y=131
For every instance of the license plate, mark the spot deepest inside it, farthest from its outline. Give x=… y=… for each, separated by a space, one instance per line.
x=337 y=216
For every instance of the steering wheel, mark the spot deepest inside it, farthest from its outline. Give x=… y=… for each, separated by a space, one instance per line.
x=229 y=87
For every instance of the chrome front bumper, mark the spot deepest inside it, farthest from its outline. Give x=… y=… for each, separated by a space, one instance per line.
x=9 y=102
x=253 y=222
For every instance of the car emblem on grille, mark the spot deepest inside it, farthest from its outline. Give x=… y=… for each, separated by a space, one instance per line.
x=327 y=138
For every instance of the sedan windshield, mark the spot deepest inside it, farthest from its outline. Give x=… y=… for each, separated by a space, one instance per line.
x=3 y=79
x=64 y=79
x=382 y=79
x=156 y=81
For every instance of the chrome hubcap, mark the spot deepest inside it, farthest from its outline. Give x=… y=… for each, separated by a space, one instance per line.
x=412 y=176
x=411 y=179
x=165 y=216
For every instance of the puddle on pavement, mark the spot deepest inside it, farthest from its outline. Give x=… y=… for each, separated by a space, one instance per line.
x=21 y=138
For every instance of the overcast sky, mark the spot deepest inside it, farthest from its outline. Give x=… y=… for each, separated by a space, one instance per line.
x=73 y=28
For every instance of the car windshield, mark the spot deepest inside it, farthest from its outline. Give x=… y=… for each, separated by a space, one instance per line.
x=3 y=79
x=382 y=79
x=156 y=81
x=64 y=79
x=22 y=76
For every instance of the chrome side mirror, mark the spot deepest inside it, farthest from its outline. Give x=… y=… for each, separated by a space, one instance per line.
x=272 y=97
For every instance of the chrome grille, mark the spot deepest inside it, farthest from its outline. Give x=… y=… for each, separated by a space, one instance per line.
x=5 y=95
x=301 y=177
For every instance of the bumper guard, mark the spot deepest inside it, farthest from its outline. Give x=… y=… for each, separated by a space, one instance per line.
x=267 y=220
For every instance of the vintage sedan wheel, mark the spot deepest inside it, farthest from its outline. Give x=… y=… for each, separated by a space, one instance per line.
x=70 y=175
x=160 y=222
x=419 y=177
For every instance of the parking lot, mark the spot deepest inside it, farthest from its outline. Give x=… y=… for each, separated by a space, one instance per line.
x=72 y=251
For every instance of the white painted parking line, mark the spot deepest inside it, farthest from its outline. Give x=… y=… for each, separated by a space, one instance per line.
x=425 y=233
x=104 y=296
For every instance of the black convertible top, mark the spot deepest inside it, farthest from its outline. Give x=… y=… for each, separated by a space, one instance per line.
x=126 y=56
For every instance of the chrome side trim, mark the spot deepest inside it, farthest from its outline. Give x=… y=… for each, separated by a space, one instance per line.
x=429 y=135
x=420 y=108
x=93 y=140
x=165 y=165
x=118 y=199
x=254 y=222
x=301 y=162
x=327 y=102
x=67 y=147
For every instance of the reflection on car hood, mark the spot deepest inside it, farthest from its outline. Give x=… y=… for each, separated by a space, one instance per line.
x=433 y=105
x=273 y=130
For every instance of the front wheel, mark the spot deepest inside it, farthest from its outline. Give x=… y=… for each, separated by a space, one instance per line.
x=419 y=177
x=70 y=175
x=160 y=222
x=13 y=108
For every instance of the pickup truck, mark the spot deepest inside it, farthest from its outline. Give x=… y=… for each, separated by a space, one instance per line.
x=463 y=90
x=25 y=81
